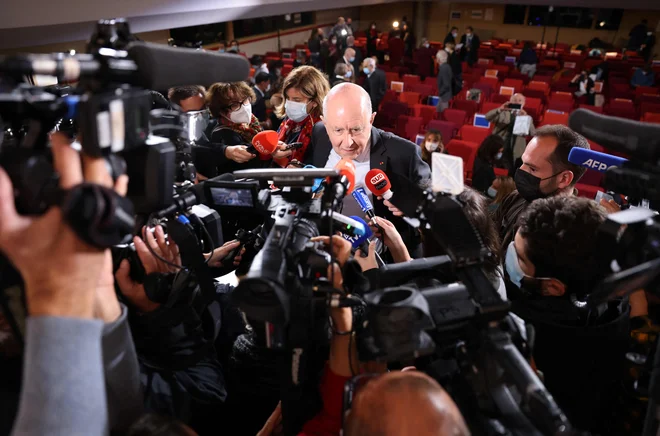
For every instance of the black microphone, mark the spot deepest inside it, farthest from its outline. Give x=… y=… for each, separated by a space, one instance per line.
x=639 y=140
x=153 y=66
x=194 y=195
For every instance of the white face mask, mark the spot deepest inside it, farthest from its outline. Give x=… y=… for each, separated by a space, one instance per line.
x=498 y=156
x=426 y=45
x=267 y=88
x=454 y=34
x=242 y=114
x=432 y=146
x=295 y=111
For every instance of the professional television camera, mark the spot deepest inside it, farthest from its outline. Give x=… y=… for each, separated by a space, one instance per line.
x=629 y=241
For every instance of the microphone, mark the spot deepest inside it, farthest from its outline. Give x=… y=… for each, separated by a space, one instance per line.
x=378 y=183
x=318 y=183
x=194 y=195
x=362 y=242
x=152 y=66
x=346 y=169
x=264 y=143
x=362 y=199
x=594 y=160
x=639 y=140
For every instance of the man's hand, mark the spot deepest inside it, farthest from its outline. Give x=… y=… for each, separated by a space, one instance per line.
x=281 y=151
x=340 y=247
x=64 y=283
x=505 y=106
x=239 y=153
x=522 y=112
x=134 y=291
x=392 y=208
x=369 y=262
x=391 y=238
x=221 y=252
x=610 y=206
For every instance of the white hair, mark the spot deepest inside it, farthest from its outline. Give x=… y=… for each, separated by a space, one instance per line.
x=442 y=57
x=343 y=88
x=370 y=61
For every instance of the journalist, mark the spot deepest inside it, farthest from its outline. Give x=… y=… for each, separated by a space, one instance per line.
x=554 y=263
x=69 y=387
x=347 y=132
x=504 y=120
x=188 y=98
x=545 y=172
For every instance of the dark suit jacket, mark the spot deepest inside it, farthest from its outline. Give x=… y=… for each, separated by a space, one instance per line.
x=470 y=56
x=398 y=158
x=259 y=106
x=376 y=86
x=449 y=38
x=358 y=59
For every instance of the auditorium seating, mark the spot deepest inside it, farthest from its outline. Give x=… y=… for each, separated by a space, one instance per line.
x=555 y=118
x=456 y=116
x=465 y=150
x=473 y=133
x=408 y=127
x=447 y=129
x=427 y=113
x=410 y=98
x=469 y=106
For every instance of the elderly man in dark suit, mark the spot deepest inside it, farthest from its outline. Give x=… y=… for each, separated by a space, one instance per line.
x=470 y=49
x=375 y=84
x=347 y=132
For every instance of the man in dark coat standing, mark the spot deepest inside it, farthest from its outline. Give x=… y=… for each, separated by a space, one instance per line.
x=375 y=84
x=471 y=43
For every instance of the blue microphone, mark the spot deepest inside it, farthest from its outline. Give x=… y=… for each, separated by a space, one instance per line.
x=316 y=187
x=594 y=160
x=360 y=195
x=362 y=242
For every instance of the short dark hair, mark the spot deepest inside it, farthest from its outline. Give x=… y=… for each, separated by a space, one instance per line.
x=256 y=60
x=489 y=148
x=261 y=77
x=470 y=28
x=233 y=41
x=560 y=235
x=566 y=140
x=179 y=93
x=454 y=28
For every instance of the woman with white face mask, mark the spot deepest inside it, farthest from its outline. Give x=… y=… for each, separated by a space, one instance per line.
x=231 y=105
x=303 y=90
x=432 y=144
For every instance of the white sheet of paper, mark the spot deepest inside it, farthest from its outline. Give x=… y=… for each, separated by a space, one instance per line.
x=447 y=173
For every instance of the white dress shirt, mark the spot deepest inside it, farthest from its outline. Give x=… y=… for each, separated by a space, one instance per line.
x=362 y=167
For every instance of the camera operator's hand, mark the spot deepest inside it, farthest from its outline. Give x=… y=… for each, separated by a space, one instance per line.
x=221 y=252
x=341 y=248
x=239 y=153
x=63 y=283
x=392 y=239
x=134 y=291
x=369 y=262
x=281 y=152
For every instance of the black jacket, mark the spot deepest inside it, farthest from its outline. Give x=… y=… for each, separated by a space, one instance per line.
x=358 y=59
x=449 y=38
x=483 y=175
x=398 y=158
x=259 y=106
x=376 y=86
x=471 y=55
x=222 y=138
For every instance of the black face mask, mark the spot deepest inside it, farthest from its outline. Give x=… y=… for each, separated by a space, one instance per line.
x=529 y=186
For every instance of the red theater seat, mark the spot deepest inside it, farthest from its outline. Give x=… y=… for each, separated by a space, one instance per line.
x=465 y=150
x=473 y=133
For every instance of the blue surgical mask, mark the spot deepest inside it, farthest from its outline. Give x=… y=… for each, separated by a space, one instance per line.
x=366 y=71
x=492 y=192
x=222 y=50
x=351 y=59
x=348 y=74
x=513 y=268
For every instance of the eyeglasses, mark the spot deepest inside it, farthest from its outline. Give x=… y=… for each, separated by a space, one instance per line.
x=236 y=105
x=351 y=388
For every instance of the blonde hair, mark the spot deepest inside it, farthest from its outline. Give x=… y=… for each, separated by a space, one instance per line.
x=221 y=95
x=507 y=186
x=311 y=83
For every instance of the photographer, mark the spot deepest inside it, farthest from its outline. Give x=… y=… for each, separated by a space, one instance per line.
x=504 y=120
x=69 y=296
x=554 y=263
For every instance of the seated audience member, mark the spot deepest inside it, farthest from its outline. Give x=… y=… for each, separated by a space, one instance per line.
x=347 y=132
x=528 y=60
x=585 y=87
x=343 y=74
x=231 y=105
x=553 y=264
x=233 y=46
x=501 y=187
x=644 y=76
x=489 y=153
x=432 y=144
x=188 y=98
x=545 y=172
x=376 y=82
x=503 y=119
x=456 y=67
x=445 y=81
x=261 y=88
x=304 y=90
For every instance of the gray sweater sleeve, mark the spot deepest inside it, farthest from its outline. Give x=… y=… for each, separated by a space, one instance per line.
x=63 y=389
x=122 y=374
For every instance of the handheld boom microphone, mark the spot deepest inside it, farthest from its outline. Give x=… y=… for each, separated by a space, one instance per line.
x=594 y=160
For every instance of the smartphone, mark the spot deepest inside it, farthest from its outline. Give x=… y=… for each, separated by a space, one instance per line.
x=514 y=106
x=293 y=146
x=603 y=195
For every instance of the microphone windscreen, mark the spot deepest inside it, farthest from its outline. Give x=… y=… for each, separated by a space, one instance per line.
x=594 y=160
x=367 y=234
x=634 y=138
x=265 y=142
x=162 y=67
x=377 y=182
x=362 y=199
x=347 y=168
